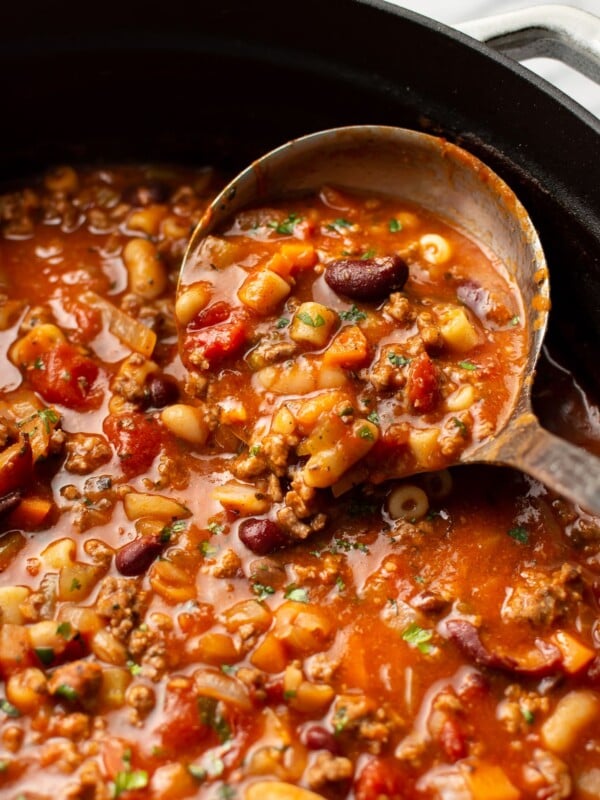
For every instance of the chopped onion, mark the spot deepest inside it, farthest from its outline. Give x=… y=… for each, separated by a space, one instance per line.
x=128 y=330
x=222 y=687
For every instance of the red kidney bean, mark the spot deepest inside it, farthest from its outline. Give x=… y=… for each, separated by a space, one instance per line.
x=135 y=557
x=262 y=536
x=161 y=391
x=10 y=501
x=366 y=278
x=316 y=737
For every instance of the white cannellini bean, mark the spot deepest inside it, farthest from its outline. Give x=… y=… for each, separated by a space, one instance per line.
x=574 y=712
x=147 y=273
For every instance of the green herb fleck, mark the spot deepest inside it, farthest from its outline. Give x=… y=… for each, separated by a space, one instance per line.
x=338 y=223
x=527 y=715
x=39 y=364
x=9 y=709
x=45 y=655
x=458 y=423
x=347 y=411
x=215 y=529
x=66 y=691
x=419 y=579
x=262 y=590
x=515 y=320
x=289 y=694
x=49 y=417
x=418 y=637
x=168 y=531
x=394 y=225
x=346 y=545
x=65 y=630
x=306 y=318
x=207 y=549
x=197 y=772
x=282 y=322
x=4 y=765
x=340 y=719
x=75 y=585
x=469 y=365
x=225 y=792
x=134 y=668
x=296 y=593
x=353 y=314
x=368 y=254
x=519 y=534
x=286 y=227
x=398 y=361
x=340 y=584
x=228 y=669
x=129 y=780
x=254 y=450
x=366 y=433
x=374 y=418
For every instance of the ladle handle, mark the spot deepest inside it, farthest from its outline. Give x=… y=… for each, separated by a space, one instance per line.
x=569 y=470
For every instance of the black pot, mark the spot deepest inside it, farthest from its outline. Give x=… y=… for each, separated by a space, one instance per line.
x=222 y=82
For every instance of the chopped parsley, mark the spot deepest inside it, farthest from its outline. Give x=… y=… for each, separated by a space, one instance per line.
x=368 y=254
x=225 y=792
x=398 y=361
x=527 y=715
x=9 y=709
x=374 y=418
x=49 y=417
x=215 y=528
x=353 y=314
x=340 y=584
x=75 y=585
x=458 y=423
x=519 y=534
x=469 y=365
x=45 y=655
x=262 y=590
x=65 y=630
x=129 y=780
x=286 y=227
x=168 y=531
x=39 y=364
x=515 y=320
x=394 y=225
x=306 y=318
x=134 y=668
x=418 y=637
x=254 y=450
x=207 y=549
x=366 y=433
x=66 y=691
x=296 y=593
x=346 y=545
x=282 y=322
x=338 y=223
x=340 y=719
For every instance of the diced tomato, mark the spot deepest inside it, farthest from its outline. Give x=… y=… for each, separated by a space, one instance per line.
x=63 y=375
x=89 y=322
x=379 y=778
x=212 y=315
x=423 y=384
x=137 y=440
x=217 y=342
x=452 y=739
x=183 y=727
x=114 y=754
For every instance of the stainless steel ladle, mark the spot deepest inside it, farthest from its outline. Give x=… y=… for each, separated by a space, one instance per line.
x=455 y=185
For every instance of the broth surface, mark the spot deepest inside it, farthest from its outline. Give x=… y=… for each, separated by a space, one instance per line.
x=186 y=610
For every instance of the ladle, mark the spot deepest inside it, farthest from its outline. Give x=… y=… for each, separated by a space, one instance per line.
x=456 y=186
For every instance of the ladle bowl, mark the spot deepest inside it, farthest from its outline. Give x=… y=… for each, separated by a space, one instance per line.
x=450 y=182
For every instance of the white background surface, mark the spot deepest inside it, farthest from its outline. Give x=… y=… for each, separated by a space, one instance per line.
x=451 y=12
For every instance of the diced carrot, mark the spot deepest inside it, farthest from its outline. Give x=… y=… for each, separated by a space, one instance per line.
x=292 y=256
x=30 y=513
x=348 y=349
x=488 y=781
x=575 y=655
x=270 y=655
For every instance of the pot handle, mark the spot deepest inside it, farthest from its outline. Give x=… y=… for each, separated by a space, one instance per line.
x=561 y=32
